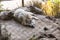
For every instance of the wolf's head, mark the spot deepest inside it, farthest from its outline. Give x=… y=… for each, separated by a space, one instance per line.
x=31 y=20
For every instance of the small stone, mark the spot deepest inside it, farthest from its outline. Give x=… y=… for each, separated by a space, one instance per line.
x=56 y=39
x=58 y=28
x=51 y=36
x=45 y=29
x=51 y=18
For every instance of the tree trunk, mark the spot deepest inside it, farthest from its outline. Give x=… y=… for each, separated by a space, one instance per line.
x=0 y=29
x=22 y=3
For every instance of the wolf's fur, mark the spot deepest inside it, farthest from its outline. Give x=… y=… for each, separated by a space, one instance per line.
x=24 y=17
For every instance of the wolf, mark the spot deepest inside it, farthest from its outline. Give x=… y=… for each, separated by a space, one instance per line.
x=24 y=17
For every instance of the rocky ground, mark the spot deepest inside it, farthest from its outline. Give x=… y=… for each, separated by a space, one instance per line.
x=43 y=28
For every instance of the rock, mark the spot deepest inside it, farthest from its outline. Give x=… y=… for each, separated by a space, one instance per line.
x=51 y=18
x=4 y=35
x=35 y=10
x=58 y=28
x=6 y=15
x=47 y=39
x=51 y=36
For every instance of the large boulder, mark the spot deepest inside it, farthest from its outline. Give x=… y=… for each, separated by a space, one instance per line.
x=4 y=34
x=6 y=15
x=36 y=10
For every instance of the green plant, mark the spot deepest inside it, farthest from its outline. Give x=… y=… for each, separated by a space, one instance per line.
x=1 y=9
x=37 y=4
x=51 y=8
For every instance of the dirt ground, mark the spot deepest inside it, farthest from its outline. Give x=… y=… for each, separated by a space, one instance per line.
x=20 y=32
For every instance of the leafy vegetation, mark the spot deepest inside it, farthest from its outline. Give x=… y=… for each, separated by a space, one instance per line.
x=37 y=4
x=1 y=9
x=50 y=7
x=56 y=8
